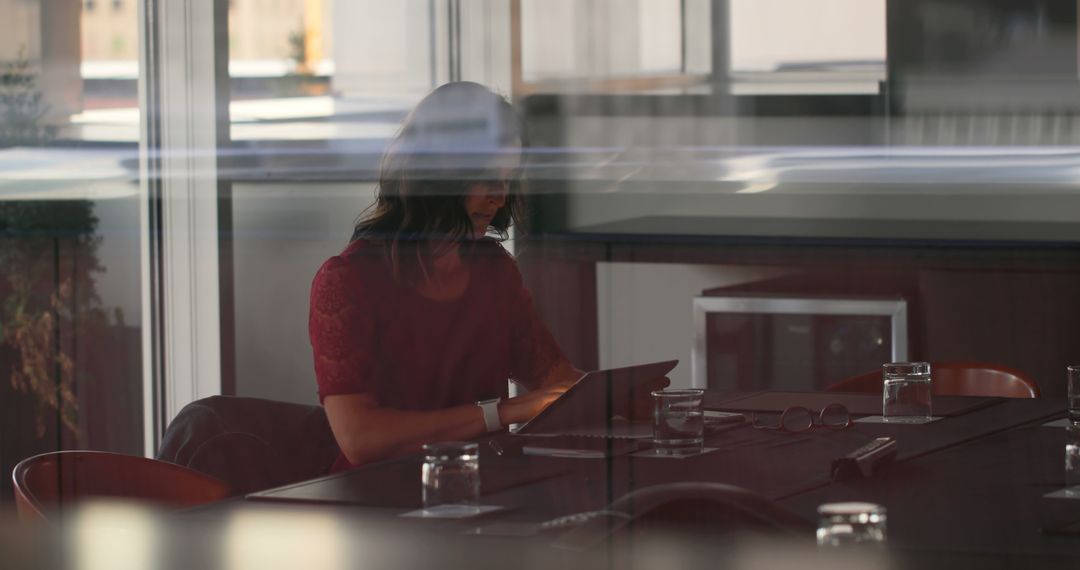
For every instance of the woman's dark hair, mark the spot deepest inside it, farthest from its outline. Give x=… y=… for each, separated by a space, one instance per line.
x=456 y=136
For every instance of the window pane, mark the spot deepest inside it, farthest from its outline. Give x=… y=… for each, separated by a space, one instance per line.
x=318 y=88
x=597 y=39
x=70 y=312
x=676 y=153
x=301 y=69
x=823 y=46
x=777 y=35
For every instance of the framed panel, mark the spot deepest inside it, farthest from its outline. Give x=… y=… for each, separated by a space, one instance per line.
x=812 y=308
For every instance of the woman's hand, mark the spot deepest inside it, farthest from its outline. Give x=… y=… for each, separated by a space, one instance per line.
x=523 y=408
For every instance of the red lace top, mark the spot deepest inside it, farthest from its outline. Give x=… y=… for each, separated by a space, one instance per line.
x=372 y=335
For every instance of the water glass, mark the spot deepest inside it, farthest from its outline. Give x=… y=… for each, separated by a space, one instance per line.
x=1072 y=374
x=846 y=524
x=451 y=475
x=678 y=421
x=1072 y=459
x=906 y=392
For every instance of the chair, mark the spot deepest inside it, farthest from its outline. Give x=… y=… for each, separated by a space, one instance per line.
x=715 y=509
x=53 y=481
x=251 y=443
x=956 y=379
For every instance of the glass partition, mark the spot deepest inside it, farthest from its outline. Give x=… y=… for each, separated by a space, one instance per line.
x=424 y=220
x=723 y=127
x=70 y=275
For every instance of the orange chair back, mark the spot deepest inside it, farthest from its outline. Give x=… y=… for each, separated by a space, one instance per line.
x=956 y=379
x=50 y=482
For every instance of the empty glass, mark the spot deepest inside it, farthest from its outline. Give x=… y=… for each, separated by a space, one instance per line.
x=1072 y=460
x=678 y=421
x=1072 y=374
x=451 y=475
x=845 y=524
x=906 y=392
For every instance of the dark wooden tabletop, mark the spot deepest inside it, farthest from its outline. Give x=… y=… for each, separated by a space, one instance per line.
x=964 y=491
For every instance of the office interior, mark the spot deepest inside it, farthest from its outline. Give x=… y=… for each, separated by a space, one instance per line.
x=780 y=194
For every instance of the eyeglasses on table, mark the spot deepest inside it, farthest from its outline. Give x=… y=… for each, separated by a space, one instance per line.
x=799 y=419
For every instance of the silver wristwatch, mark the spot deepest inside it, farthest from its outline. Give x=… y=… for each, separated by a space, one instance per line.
x=491 y=414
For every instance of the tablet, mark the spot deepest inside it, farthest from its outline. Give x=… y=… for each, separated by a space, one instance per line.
x=595 y=400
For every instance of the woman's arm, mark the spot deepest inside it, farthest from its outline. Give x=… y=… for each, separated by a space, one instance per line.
x=367 y=432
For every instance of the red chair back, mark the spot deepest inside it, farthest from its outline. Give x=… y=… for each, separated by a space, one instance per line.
x=956 y=379
x=50 y=482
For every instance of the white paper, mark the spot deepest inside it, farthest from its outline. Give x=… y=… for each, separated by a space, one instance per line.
x=451 y=512
x=897 y=421
x=1066 y=493
x=655 y=454
x=618 y=429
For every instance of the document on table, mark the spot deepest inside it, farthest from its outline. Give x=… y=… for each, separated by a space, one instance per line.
x=578 y=447
x=618 y=428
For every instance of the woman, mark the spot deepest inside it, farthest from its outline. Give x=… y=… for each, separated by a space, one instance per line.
x=417 y=325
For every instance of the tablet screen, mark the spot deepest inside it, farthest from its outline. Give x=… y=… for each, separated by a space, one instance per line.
x=595 y=399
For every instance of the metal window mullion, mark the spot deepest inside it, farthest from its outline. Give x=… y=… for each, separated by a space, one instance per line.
x=454 y=38
x=150 y=224
x=181 y=285
x=683 y=44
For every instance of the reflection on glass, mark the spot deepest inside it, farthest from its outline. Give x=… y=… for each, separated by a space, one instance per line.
x=566 y=39
x=850 y=524
x=116 y=536
x=287 y=539
x=70 y=299
x=782 y=47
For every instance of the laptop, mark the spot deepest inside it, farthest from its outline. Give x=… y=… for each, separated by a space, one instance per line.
x=598 y=403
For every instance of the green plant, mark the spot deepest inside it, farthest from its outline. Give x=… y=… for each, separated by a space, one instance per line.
x=298 y=50
x=300 y=79
x=22 y=106
x=48 y=254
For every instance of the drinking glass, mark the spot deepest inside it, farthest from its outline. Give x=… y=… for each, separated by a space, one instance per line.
x=1072 y=459
x=451 y=475
x=846 y=524
x=678 y=421
x=906 y=392
x=1072 y=373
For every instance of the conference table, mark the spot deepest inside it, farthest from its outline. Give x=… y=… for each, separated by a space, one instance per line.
x=965 y=490
x=967 y=487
